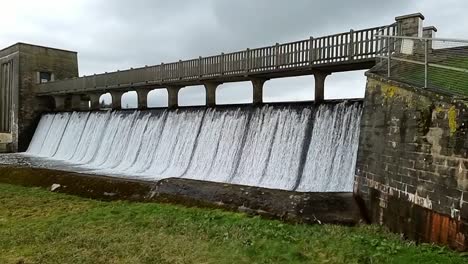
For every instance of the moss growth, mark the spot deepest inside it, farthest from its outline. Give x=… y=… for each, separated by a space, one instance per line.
x=389 y=91
x=452 y=119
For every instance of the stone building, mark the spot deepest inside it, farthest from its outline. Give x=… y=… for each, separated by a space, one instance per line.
x=22 y=66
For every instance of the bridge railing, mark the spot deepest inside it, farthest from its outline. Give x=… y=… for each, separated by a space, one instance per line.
x=347 y=47
x=434 y=63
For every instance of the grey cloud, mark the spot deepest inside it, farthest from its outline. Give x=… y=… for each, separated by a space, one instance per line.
x=118 y=34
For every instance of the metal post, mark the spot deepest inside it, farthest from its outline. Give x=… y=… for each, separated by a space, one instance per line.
x=425 y=63
x=389 y=57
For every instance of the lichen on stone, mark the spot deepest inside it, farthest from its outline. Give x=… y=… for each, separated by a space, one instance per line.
x=452 y=119
x=389 y=91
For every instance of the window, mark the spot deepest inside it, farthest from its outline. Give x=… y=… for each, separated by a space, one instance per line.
x=45 y=77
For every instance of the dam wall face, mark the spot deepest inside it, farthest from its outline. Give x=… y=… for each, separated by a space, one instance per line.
x=412 y=166
x=300 y=147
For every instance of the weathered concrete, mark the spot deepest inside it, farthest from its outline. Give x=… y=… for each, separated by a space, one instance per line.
x=429 y=32
x=410 y=25
x=332 y=208
x=319 y=78
x=59 y=102
x=28 y=61
x=94 y=98
x=173 y=96
x=6 y=138
x=210 y=88
x=142 y=97
x=117 y=99
x=5 y=142
x=412 y=168
x=257 y=85
x=76 y=104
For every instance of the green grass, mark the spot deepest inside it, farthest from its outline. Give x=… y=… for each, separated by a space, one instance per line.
x=37 y=226
x=444 y=79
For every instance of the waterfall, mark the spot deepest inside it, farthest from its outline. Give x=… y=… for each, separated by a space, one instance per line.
x=302 y=148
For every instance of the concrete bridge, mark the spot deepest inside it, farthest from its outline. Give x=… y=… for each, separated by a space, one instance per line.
x=353 y=50
x=36 y=79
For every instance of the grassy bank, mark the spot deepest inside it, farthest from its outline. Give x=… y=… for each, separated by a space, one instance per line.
x=37 y=226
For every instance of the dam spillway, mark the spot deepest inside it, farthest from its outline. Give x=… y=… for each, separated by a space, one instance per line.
x=302 y=148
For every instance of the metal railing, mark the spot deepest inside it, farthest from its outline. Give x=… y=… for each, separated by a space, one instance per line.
x=352 y=46
x=435 y=63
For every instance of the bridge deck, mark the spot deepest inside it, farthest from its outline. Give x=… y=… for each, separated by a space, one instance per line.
x=353 y=50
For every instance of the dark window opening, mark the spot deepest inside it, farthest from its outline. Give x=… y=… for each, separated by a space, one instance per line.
x=45 y=77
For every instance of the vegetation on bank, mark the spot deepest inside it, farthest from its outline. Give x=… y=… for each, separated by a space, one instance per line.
x=454 y=82
x=37 y=226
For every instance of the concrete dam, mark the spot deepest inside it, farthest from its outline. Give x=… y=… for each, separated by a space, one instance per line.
x=398 y=157
x=297 y=147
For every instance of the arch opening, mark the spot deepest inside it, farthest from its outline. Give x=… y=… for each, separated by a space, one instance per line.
x=157 y=98
x=291 y=89
x=192 y=96
x=105 y=101
x=129 y=100
x=234 y=93
x=345 y=85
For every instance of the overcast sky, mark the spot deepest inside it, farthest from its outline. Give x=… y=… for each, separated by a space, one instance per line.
x=117 y=34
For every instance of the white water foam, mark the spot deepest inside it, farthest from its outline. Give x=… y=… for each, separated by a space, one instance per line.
x=291 y=148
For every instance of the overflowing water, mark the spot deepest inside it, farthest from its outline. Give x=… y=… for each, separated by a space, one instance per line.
x=303 y=148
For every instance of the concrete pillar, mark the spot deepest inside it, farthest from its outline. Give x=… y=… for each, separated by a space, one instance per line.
x=210 y=88
x=116 y=99
x=94 y=98
x=429 y=32
x=59 y=102
x=173 y=96
x=320 y=86
x=410 y=25
x=142 y=95
x=76 y=102
x=258 y=90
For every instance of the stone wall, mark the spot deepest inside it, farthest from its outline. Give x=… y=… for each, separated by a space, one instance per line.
x=33 y=59
x=412 y=168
